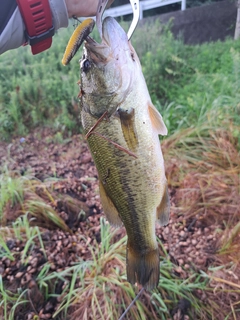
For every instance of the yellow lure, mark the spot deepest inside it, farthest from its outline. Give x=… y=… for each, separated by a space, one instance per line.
x=77 y=38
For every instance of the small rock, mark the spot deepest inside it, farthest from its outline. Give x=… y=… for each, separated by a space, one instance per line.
x=194 y=242
x=179 y=270
x=19 y=275
x=183 y=243
x=166 y=230
x=182 y=234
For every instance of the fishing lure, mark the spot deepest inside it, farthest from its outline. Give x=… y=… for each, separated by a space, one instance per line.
x=77 y=38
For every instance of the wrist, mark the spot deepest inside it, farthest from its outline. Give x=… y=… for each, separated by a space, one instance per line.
x=59 y=13
x=81 y=8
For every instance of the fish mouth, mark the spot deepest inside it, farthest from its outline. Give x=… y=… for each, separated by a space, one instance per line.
x=114 y=38
x=113 y=33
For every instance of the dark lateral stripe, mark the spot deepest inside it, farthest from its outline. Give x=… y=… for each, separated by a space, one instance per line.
x=7 y=9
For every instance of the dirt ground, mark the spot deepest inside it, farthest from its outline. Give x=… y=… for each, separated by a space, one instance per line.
x=44 y=154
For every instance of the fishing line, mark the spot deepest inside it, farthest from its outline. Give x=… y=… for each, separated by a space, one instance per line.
x=76 y=21
x=131 y=304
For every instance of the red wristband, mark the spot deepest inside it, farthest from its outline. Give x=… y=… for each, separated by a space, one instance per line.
x=37 y=17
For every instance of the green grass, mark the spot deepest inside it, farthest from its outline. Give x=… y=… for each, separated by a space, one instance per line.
x=37 y=90
x=184 y=82
x=26 y=195
x=99 y=288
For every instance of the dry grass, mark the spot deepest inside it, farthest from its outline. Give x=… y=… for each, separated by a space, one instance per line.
x=203 y=165
x=36 y=199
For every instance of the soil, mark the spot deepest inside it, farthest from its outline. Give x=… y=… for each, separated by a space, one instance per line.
x=66 y=164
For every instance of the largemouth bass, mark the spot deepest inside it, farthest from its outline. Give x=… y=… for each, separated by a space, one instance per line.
x=125 y=147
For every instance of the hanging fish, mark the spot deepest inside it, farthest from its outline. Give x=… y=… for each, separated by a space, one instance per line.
x=123 y=127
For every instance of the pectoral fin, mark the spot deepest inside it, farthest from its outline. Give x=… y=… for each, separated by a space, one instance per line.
x=109 y=208
x=163 y=210
x=128 y=127
x=157 y=120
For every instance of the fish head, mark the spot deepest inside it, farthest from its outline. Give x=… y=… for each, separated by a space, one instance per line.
x=107 y=70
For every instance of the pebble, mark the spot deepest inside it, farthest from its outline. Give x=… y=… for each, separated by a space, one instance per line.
x=182 y=234
x=29 y=268
x=188 y=250
x=65 y=242
x=194 y=242
x=166 y=230
x=19 y=275
x=7 y=270
x=33 y=270
x=7 y=262
x=210 y=237
x=30 y=316
x=55 y=237
x=183 y=243
x=34 y=262
x=201 y=261
x=179 y=269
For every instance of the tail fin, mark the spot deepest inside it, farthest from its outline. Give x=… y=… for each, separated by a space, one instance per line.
x=143 y=268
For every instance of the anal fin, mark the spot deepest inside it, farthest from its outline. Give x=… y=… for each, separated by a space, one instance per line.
x=109 y=208
x=163 y=209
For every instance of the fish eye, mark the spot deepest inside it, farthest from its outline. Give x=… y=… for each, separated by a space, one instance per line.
x=85 y=65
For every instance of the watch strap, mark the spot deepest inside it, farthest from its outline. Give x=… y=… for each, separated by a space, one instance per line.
x=37 y=17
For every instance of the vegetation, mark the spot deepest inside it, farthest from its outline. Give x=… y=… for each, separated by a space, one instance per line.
x=184 y=82
x=196 y=88
x=92 y=287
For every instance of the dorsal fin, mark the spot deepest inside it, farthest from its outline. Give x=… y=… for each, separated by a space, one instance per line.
x=157 y=120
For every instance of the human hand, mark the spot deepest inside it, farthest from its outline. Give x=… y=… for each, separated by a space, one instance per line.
x=83 y=8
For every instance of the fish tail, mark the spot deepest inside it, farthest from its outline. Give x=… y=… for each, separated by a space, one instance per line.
x=143 y=268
